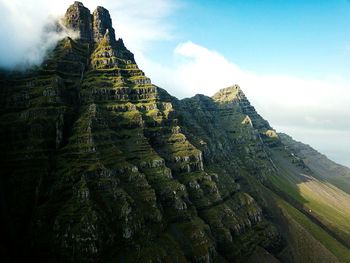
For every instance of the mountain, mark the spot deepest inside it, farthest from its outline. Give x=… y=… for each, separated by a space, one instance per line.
x=99 y=164
x=328 y=170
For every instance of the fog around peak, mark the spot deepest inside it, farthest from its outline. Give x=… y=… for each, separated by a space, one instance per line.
x=28 y=35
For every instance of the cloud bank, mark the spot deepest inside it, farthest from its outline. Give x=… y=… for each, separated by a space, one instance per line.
x=26 y=33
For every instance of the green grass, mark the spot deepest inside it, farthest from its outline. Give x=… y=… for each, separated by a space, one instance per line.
x=341 y=252
x=324 y=201
x=287 y=187
x=342 y=182
x=329 y=204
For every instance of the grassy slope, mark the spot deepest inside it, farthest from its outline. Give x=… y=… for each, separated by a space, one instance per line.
x=312 y=243
x=323 y=167
x=342 y=182
x=307 y=241
x=319 y=199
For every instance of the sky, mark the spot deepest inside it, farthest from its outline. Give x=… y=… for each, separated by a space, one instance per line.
x=290 y=57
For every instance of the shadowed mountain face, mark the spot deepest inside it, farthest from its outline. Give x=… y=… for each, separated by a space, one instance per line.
x=99 y=164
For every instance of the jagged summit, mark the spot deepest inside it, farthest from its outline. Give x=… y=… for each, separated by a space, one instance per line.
x=91 y=27
x=233 y=96
x=79 y=19
x=102 y=23
x=229 y=94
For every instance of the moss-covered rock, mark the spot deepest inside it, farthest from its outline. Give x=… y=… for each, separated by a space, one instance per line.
x=99 y=164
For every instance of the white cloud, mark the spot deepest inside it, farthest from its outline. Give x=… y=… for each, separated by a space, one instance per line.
x=141 y=22
x=314 y=111
x=138 y=22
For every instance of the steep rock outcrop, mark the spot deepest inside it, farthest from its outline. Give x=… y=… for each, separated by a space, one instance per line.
x=102 y=22
x=78 y=18
x=234 y=97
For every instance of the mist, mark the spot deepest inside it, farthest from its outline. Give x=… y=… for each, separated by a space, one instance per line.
x=26 y=38
x=28 y=35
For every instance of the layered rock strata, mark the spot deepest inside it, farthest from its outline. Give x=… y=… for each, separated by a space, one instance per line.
x=100 y=164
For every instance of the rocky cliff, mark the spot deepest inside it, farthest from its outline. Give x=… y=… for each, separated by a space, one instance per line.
x=99 y=164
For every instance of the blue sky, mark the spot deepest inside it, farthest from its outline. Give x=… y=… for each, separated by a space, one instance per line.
x=290 y=57
x=307 y=38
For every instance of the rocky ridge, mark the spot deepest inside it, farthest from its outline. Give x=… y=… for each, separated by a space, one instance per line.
x=100 y=164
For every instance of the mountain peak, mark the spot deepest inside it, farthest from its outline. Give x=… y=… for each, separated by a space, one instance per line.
x=79 y=19
x=102 y=23
x=229 y=94
x=92 y=28
x=77 y=3
x=234 y=96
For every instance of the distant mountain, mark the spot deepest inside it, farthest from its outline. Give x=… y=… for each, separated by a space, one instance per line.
x=326 y=169
x=100 y=165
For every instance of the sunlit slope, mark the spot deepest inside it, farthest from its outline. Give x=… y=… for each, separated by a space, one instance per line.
x=306 y=239
x=309 y=242
x=321 y=201
x=323 y=167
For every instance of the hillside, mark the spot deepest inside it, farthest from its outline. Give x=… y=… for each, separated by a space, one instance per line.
x=99 y=164
x=326 y=169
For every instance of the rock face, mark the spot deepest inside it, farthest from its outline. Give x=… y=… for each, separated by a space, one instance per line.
x=79 y=19
x=91 y=28
x=99 y=164
x=101 y=23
